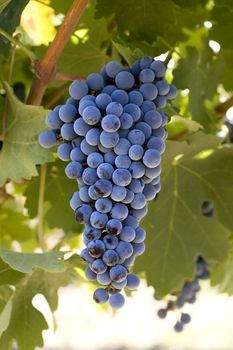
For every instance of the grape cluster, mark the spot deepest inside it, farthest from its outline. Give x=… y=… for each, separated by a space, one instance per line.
x=112 y=134
x=187 y=294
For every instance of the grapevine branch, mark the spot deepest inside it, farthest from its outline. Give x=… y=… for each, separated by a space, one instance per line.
x=45 y=72
x=46 y=66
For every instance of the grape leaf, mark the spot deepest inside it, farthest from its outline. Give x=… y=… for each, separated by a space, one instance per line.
x=89 y=53
x=222 y=30
x=164 y=21
x=222 y=274
x=9 y=20
x=26 y=322
x=26 y=262
x=177 y=230
x=21 y=151
x=3 y=4
x=58 y=191
x=6 y=294
x=13 y=226
x=200 y=72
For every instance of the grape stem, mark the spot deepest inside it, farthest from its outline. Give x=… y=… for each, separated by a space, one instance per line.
x=45 y=68
x=45 y=72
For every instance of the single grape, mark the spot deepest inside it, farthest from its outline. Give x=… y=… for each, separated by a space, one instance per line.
x=133 y=110
x=102 y=100
x=121 y=177
x=122 y=147
x=85 y=255
x=77 y=155
x=74 y=170
x=114 y=226
x=78 y=89
x=68 y=113
x=83 y=194
x=137 y=169
x=108 y=139
x=100 y=296
x=83 y=213
x=151 y=158
x=96 y=248
x=147 y=75
x=90 y=275
x=110 y=257
x=110 y=241
x=149 y=91
x=114 y=108
x=63 y=151
x=98 y=266
x=80 y=127
x=86 y=148
x=53 y=121
x=153 y=118
x=139 y=201
x=67 y=132
x=104 y=278
x=118 y=193
x=120 y=96
x=93 y=136
x=95 y=81
x=133 y=281
x=145 y=62
x=47 y=139
x=113 y=68
x=124 y=80
x=122 y=162
x=117 y=301
x=110 y=158
x=89 y=176
x=136 y=97
x=162 y=313
x=127 y=234
x=110 y=123
x=98 y=219
x=92 y=233
x=118 y=273
x=145 y=128
x=103 y=205
x=91 y=115
x=94 y=160
x=163 y=87
x=104 y=171
x=126 y=121
x=103 y=187
x=140 y=235
x=172 y=92
x=138 y=248
x=119 y=211
x=136 y=137
x=159 y=68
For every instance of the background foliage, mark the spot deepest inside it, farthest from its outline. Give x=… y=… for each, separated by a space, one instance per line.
x=197 y=37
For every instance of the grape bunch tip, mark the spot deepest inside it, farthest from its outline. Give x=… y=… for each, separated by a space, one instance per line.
x=112 y=132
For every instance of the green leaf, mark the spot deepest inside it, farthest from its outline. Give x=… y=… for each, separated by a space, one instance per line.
x=222 y=274
x=9 y=20
x=180 y=127
x=14 y=225
x=21 y=151
x=86 y=52
x=26 y=262
x=6 y=294
x=3 y=4
x=58 y=191
x=60 y=6
x=222 y=30
x=193 y=172
x=200 y=72
x=153 y=23
x=26 y=322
